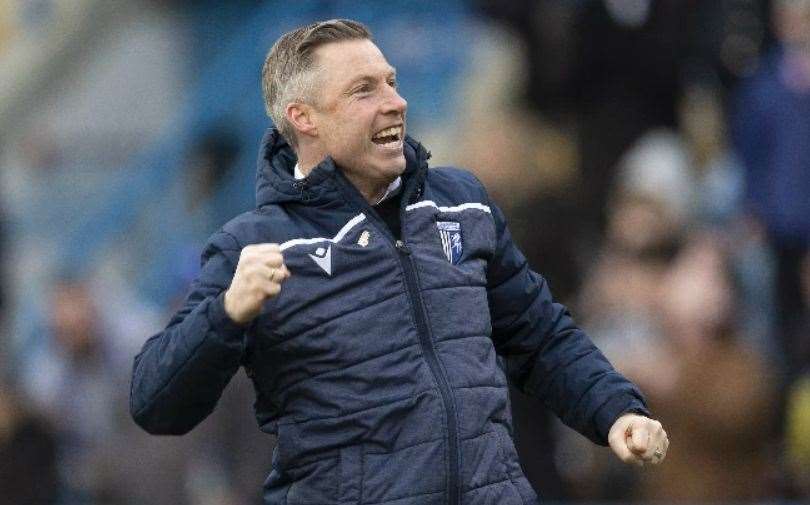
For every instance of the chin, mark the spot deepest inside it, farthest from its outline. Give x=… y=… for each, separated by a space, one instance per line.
x=389 y=165
x=394 y=168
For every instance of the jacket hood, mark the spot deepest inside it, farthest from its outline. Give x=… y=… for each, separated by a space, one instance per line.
x=275 y=182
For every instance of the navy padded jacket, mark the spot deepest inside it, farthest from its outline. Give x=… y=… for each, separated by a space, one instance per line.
x=377 y=366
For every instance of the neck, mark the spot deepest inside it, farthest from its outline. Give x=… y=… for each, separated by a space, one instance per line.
x=307 y=160
x=372 y=189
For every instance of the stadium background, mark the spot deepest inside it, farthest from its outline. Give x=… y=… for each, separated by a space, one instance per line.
x=624 y=140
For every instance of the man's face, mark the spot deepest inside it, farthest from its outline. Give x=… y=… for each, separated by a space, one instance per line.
x=793 y=24
x=359 y=115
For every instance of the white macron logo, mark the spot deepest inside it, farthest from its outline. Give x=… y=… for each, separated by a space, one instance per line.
x=323 y=258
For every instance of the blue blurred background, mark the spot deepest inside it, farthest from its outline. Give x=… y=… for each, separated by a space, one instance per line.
x=652 y=157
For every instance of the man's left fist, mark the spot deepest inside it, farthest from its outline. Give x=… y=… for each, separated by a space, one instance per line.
x=637 y=439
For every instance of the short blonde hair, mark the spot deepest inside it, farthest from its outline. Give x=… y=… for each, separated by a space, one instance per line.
x=288 y=70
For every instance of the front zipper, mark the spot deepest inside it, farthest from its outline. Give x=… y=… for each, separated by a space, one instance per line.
x=422 y=327
x=429 y=351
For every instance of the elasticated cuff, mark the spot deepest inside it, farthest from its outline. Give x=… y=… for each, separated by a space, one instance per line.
x=220 y=319
x=613 y=409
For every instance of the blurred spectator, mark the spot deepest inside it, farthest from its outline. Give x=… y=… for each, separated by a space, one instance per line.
x=718 y=205
x=530 y=168
x=72 y=378
x=798 y=404
x=667 y=314
x=798 y=436
x=646 y=219
x=715 y=394
x=771 y=128
x=625 y=81
x=717 y=174
x=28 y=466
x=619 y=299
x=720 y=403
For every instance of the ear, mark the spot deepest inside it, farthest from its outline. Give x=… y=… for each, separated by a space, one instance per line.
x=300 y=115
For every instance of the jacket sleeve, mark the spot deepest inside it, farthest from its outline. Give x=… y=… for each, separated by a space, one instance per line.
x=546 y=354
x=181 y=372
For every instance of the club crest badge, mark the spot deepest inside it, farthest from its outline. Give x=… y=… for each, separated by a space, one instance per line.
x=450 y=233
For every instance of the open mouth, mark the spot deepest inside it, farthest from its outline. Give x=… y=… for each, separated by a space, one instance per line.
x=388 y=137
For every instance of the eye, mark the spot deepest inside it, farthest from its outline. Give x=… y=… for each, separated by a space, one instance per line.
x=393 y=83
x=363 y=88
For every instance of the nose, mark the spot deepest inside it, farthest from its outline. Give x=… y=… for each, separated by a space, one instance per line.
x=394 y=102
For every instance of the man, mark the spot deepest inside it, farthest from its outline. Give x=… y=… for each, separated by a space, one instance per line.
x=368 y=298
x=770 y=125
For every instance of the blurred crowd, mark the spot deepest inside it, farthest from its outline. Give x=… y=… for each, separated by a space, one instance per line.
x=652 y=158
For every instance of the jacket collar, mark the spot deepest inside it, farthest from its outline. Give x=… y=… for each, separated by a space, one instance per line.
x=275 y=182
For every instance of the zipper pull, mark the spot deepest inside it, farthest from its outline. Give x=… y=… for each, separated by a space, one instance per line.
x=401 y=247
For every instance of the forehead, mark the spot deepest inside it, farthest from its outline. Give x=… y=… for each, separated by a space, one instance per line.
x=347 y=60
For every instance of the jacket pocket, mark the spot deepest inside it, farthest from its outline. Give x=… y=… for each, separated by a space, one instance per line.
x=513 y=470
x=313 y=483
x=350 y=474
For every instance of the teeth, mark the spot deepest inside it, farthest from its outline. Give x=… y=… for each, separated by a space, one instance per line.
x=394 y=130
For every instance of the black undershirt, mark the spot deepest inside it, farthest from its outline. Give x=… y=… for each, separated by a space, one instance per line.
x=388 y=211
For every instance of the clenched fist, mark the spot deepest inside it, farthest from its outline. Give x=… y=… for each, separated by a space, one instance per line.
x=258 y=276
x=638 y=439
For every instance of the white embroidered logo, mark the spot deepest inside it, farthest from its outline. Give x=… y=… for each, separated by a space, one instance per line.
x=323 y=258
x=364 y=238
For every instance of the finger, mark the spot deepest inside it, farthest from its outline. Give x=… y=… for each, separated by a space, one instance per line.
x=639 y=439
x=272 y=259
x=636 y=460
x=664 y=447
x=258 y=272
x=271 y=289
x=265 y=247
x=656 y=446
x=259 y=250
x=622 y=452
x=658 y=456
x=658 y=452
x=279 y=274
x=659 y=436
x=618 y=443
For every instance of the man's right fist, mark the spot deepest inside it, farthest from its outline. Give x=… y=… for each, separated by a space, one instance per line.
x=258 y=276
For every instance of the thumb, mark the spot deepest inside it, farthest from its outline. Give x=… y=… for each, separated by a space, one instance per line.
x=638 y=438
x=619 y=441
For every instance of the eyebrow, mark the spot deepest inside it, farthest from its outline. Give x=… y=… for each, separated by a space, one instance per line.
x=392 y=72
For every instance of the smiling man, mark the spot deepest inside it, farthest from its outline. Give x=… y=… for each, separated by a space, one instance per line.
x=368 y=298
